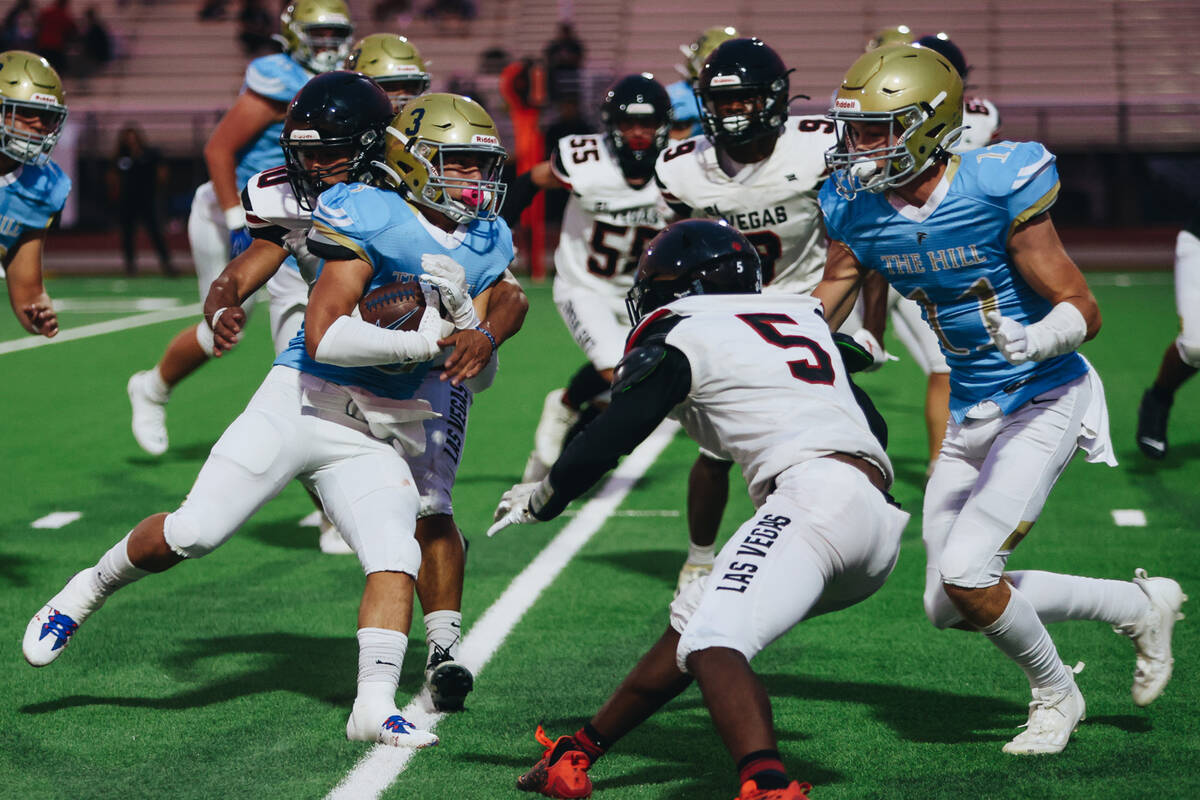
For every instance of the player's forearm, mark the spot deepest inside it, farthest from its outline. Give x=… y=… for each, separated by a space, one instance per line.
x=875 y=297
x=506 y=310
x=837 y=298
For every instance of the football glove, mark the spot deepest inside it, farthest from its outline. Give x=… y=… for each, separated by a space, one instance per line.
x=514 y=507
x=239 y=242
x=448 y=276
x=874 y=348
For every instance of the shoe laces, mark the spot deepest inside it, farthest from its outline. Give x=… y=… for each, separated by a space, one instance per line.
x=439 y=656
x=61 y=626
x=1041 y=709
x=398 y=724
x=557 y=748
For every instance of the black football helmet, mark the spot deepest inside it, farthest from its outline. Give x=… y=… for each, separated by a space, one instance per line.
x=941 y=44
x=694 y=256
x=743 y=69
x=338 y=109
x=637 y=97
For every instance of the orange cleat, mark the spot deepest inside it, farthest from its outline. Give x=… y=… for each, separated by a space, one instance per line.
x=794 y=791
x=562 y=770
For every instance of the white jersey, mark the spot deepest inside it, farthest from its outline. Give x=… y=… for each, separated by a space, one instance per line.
x=772 y=202
x=274 y=214
x=982 y=122
x=607 y=222
x=768 y=388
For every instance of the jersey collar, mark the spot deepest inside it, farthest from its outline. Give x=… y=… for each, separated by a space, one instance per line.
x=10 y=178
x=914 y=214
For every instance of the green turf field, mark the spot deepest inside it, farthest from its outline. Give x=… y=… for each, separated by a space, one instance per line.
x=233 y=676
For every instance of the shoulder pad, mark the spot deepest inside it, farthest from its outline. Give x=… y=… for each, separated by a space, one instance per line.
x=352 y=208
x=52 y=187
x=269 y=76
x=653 y=329
x=637 y=365
x=1008 y=167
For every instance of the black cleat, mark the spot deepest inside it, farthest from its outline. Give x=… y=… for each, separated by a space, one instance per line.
x=1152 y=425
x=449 y=683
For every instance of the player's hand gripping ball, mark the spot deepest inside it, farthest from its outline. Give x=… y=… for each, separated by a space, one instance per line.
x=397 y=305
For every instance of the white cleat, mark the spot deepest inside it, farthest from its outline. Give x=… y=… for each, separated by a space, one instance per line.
x=387 y=728
x=331 y=541
x=552 y=429
x=53 y=627
x=149 y=415
x=1151 y=636
x=690 y=574
x=1053 y=717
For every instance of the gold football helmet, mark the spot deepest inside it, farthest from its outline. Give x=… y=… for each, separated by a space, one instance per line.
x=316 y=33
x=897 y=34
x=436 y=130
x=394 y=63
x=699 y=50
x=913 y=90
x=33 y=107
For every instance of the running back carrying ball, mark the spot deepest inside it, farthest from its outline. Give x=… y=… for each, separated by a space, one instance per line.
x=396 y=305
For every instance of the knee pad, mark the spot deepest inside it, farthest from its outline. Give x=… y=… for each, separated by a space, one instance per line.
x=188 y=537
x=1189 y=352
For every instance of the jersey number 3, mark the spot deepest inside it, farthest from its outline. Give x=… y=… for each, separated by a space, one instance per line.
x=816 y=368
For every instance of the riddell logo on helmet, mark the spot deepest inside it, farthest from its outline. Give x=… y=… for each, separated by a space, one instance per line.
x=44 y=98
x=480 y=138
x=726 y=80
x=846 y=103
x=302 y=136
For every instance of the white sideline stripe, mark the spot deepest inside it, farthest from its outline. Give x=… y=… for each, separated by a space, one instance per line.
x=57 y=519
x=100 y=328
x=380 y=767
x=113 y=305
x=634 y=512
x=1129 y=517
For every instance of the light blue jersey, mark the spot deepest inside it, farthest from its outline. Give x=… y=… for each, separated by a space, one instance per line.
x=275 y=77
x=381 y=228
x=951 y=256
x=30 y=196
x=684 y=107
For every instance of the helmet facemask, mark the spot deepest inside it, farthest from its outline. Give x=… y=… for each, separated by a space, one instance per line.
x=766 y=116
x=403 y=88
x=915 y=141
x=478 y=198
x=309 y=181
x=18 y=141
x=636 y=152
x=322 y=46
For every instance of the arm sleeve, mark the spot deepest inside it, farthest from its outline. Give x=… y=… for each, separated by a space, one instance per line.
x=632 y=416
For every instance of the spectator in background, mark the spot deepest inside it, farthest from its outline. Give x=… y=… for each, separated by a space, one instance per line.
x=136 y=179
x=20 y=27
x=564 y=59
x=97 y=42
x=397 y=12
x=56 y=30
x=212 y=10
x=257 y=24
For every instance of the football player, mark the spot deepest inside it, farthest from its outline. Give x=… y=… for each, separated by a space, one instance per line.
x=897 y=34
x=33 y=189
x=341 y=109
x=755 y=376
x=969 y=237
x=759 y=169
x=685 y=111
x=1182 y=358
x=611 y=214
x=338 y=407
x=316 y=38
x=394 y=63
x=981 y=119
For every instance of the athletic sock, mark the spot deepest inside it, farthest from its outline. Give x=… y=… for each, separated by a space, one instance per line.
x=765 y=768
x=380 y=654
x=591 y=742
x=1021 y=636
x=1061 y=597
x=701 y=554
x=115 y=570
x=443 y=632
x=156 y=387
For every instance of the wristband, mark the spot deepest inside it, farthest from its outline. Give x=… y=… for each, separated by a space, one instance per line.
x=486 y=333
x=235 y=218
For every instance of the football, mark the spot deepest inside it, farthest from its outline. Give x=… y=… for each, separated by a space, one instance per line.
x=396 y=305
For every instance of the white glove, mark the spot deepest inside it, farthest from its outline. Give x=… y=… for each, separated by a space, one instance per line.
x=1010 y=337
x=514 y=507
x=868 y=342
x=448 y=276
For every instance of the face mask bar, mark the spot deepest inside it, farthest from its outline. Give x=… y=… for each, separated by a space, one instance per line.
x=26 y=146
x=407 y=87
x=309 y=182
x=639 y=162
x=325 y=52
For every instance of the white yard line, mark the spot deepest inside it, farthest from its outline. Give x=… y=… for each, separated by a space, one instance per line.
x=380 y=767
x=56 y=520
x=112 y=326
x=1129 y=517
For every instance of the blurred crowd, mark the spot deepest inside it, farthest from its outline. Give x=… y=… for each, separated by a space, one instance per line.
x=72 y=45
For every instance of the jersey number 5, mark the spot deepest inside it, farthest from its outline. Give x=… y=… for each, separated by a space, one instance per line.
x=816 y=368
